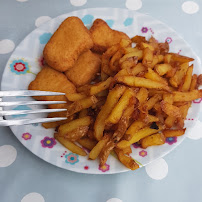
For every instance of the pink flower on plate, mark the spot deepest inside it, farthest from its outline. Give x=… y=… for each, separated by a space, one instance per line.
x=169 y=40
x=198 y=101
x=26 y=136
x=143 y=153
x=171 y=140
x=104 y=168
x=48 y=142
x=144 y=29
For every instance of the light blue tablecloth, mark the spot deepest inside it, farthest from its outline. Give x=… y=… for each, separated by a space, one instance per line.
x=27 y=178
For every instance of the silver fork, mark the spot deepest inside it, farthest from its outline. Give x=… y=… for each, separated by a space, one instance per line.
x=9 y=122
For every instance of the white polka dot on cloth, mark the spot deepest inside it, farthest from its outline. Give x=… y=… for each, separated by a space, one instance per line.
x=8 y=155
x=133 y=4
x=114 y=200
x=33 y=197
x=158 y=169
x=190 y=7
x=42 y=19
x=21 y=0
x=6 y=46
x=195 y=133
x=78 y=2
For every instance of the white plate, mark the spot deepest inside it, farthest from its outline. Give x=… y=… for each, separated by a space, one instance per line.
x=25 y=63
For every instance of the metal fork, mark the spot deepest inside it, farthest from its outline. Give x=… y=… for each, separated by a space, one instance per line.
x=28 y=93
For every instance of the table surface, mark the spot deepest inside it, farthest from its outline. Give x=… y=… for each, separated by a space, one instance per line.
x=25 y=177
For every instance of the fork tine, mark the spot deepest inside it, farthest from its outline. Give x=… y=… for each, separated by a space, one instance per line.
x=28 y=93
x=5 y=104
x=29 y=121
x=15 y=112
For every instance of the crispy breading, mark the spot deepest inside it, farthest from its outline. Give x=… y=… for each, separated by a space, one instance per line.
x=49 y=79
x=85 y=69
x=104 y=37
x=67 y=43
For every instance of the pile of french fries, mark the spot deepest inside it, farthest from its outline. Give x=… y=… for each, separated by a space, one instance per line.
x=142 y=95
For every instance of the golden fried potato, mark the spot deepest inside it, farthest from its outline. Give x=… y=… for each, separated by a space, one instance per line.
x=49 y=79
x=155 y=139
x=70 y=145
x=85 y=69
x=173 y=133
x=70 y=40
x=104 y=37
x=126 y=160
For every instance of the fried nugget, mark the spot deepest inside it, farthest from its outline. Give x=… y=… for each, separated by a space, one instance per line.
x=67 y=43
x=49 y=79
x=85 y=69
x=104 y=37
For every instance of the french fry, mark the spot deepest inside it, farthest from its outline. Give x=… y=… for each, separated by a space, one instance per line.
x=144 y=132
x=135 y=53
x=183 y=110
x=111 y=101
x=114 y=60
x=142 y=96
x=169 y=121
x=117 y=112
x=187 y=79
x=123 y=72
x=138 y=69
x=127 y=150
x=142 y=82
x=87 y=143
x=147 y=56
x=173 y=133
x=99 y=87
x=136 y=126
x=68 y=127
x=104 y=154
x=170 y=109
x=186 y=96
x=128 y=64
x=126 y=160
x=75 y=96
x=125 y=43
x=168 y=97
x=179 y=58
x=162 y=69
x=138 y=39
x=155 y=139
x=76 y=134
x=103 y=76
x=83 y=113
x=167 y=58
x=149 y=119
x=70 y=145
x=105 y=66
x=118 y=134
x=57 y=123
x=98 y=147
x=144 y=45
x=151 y=102
x=154 y=76
x=77 y=106
x=193 y=82
x=179 y=75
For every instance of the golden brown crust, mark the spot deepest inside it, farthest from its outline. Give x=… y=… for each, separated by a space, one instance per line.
x=67 y=43
x=85 y=69
x=104 y=37
x=49 y=79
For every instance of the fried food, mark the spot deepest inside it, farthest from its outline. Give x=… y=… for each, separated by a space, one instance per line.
x=70 y=40
x=104 y=37
x=85 y=69
x=49 y=79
